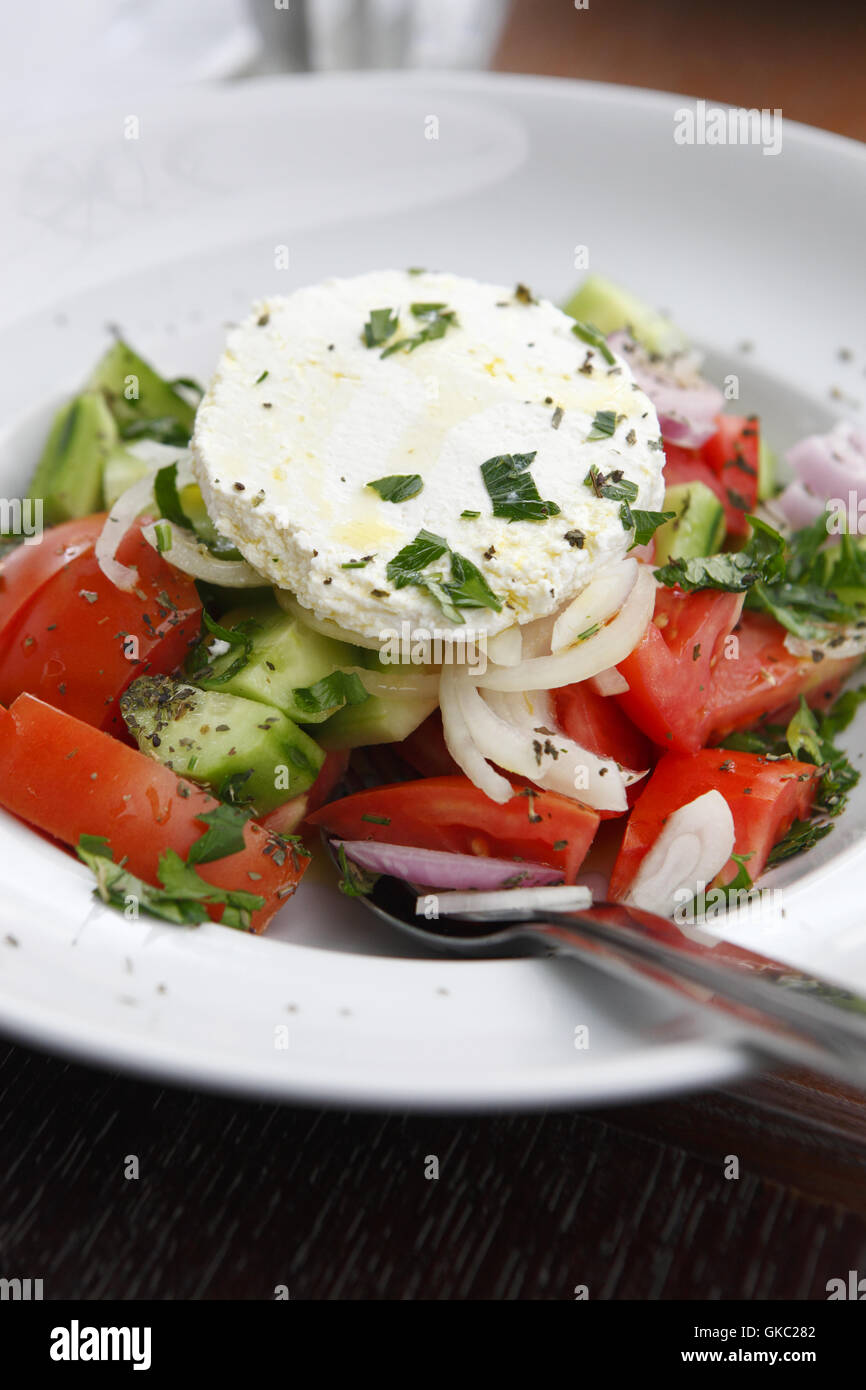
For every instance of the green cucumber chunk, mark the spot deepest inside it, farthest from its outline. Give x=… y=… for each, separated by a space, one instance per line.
x=698 y=527
x=380 y=719
x=138 y=396
x=122 y=469
x=609 y=307
x=285 y=657
x=68 y=476
x=244 y=751
x=767 y=468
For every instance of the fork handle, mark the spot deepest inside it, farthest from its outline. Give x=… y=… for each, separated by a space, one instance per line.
x=783 y=1012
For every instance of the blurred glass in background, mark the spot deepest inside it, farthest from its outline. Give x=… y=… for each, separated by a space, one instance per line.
x=59 y=59
x=330 y=34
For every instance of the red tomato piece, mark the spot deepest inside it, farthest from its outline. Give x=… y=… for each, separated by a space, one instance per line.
x=732 y=454
x=694 y=676
x=763 y=680
x=669 y=673
x=426 y=751
x=69 y=779
x=450 y=813
x=765 y=799
x=69 y=642
x=597 y=723
x=727 y=464
x=28 y=567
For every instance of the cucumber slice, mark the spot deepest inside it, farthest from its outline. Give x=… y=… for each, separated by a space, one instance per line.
x=767 y=467
x=698 y=527
x=136 y=393
x=122 y=469
x=381 y=719
x=286 y=656
x=68 y=476
x=610 y=307
x=243 y=750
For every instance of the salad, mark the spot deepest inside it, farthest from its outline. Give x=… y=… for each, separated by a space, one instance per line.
x=519 y=569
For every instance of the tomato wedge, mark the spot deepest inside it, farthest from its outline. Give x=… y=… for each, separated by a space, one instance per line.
x=598 y=723
x=27 y=568
x=425 y=749
x=78 y=641
x=765 y=798
x=765 y=680
x=695 y=676
x=450 y=813
x=732 y=454
x=727 y=464
x=69 y=779
x=669 y=673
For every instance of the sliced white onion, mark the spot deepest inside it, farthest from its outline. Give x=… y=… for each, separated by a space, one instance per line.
x=595 y=604
x=847 y=642
x=129 y=505
x=547 y=756
x=609 y=682
x=192 y=557
x=506 y=647
x=536 y=636
x=561 y=897
x=158 y=456
x=695 y=844
x=288 y=601
x=608 y=647
x=459 y=740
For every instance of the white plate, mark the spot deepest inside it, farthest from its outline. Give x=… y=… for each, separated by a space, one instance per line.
x=170 y=236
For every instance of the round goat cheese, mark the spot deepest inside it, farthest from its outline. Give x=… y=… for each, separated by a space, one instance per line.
x=486 y=396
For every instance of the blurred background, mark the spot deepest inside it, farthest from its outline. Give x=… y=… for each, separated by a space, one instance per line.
x=59 y=59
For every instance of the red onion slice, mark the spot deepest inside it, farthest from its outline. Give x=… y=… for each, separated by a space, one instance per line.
x=685 y=403
x=437 y=868
x=826 y=467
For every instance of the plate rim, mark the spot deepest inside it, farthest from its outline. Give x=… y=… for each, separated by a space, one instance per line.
x=665 y=1069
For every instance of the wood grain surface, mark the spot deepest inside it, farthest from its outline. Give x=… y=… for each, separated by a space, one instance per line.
x=235 y=1198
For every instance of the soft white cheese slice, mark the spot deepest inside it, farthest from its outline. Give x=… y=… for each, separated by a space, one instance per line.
x=301 y=416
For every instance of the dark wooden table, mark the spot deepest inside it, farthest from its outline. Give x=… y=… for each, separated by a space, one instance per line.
x=235 y=1198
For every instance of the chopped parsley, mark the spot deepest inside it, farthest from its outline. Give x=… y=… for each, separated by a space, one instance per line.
x=182 y=897
x=809 y=737
x=465 y=588
x=239 y=636
x=398 y=487
x=381 y=325
x=762 y=559
x=603 y=425
x=588 y=333
x=331 y=693
x=436 y=318
x=422 y=551
x=616 y=488
x=355 y=882
x=224 y=834
x=646 y=523
x=512 y=489
x=167 y=497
